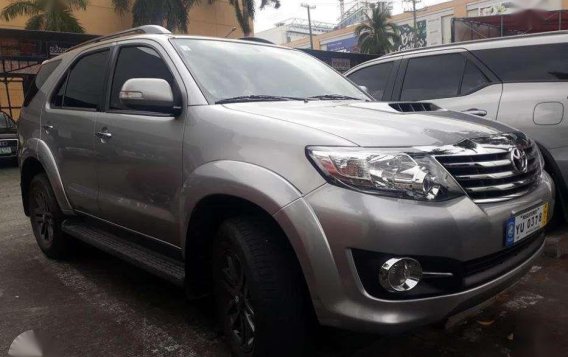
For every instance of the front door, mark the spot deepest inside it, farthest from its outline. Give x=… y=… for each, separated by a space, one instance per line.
x=140 y=153
x=68 y=123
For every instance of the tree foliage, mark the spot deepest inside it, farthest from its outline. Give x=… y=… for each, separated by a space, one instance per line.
x=377 y=35
x=47 y=15
x=172 y=14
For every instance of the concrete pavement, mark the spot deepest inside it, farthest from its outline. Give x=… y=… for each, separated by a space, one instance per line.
x=95 y=305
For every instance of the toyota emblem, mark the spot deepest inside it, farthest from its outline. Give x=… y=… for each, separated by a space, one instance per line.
x=519 y=160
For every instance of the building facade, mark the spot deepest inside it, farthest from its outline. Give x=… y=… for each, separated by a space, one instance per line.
x=434 y=24
x=293 y=29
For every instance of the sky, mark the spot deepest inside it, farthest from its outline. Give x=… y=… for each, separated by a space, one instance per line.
x=326 y=11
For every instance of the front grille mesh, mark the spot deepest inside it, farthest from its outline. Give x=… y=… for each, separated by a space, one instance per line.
x=492 y=177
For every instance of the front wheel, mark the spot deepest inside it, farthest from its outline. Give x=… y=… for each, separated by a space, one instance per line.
x=259 y=291
x=46 y=218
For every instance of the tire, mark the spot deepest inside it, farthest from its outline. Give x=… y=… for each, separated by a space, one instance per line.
x=46 y=218
x=260 y=294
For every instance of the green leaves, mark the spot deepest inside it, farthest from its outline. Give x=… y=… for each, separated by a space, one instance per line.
x=48 y=15
x=172 y=14
x=377 y=35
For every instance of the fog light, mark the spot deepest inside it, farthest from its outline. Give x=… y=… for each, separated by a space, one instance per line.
x=400 y=274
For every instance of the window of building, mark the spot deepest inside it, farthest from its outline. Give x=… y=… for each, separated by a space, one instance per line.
x=433 y=77
x=84 y=85
x=473 y=79
x=137 y=62
x=528 y=63
x=375 y=78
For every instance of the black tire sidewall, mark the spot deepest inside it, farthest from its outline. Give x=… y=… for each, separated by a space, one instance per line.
x=281 y=327
x=58 y=246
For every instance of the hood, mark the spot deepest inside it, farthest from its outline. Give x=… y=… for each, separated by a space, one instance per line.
x=376 y=123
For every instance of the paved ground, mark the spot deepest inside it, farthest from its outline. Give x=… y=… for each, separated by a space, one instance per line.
x=96 y=305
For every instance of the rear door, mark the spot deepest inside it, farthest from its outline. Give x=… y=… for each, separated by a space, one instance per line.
x=68 y=124
x=535 y=89
x=140 y=167
x=451 y=79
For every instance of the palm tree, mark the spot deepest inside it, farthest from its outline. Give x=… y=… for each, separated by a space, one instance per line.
x=245 y=11
x=377 y=35
x=173 y=14
x=48 y=15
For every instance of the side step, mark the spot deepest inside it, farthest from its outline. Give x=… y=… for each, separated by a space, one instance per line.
x=158 y=264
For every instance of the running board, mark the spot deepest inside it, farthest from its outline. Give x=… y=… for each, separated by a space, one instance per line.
x=155 y=263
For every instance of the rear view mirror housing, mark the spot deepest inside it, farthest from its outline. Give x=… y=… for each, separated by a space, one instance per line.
x=149 y=94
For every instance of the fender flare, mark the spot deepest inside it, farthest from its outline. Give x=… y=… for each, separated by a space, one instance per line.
x=247 y=181
x=37 y=149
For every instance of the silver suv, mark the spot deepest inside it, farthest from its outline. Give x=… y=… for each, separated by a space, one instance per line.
x=260 y=175
x=520 y=81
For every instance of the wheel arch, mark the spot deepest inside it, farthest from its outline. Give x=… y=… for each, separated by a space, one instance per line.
x=35 y=158
x=553 y=170
x=220 y=190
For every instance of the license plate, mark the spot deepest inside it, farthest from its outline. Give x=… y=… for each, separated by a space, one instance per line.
x=5 y=150
x=524 y=224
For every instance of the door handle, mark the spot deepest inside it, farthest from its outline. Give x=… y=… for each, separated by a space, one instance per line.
x=103 y=135
x=475 y=111
x=47 y=127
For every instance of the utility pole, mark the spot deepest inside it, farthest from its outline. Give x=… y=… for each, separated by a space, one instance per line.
x=309 y=7
x=414 y=2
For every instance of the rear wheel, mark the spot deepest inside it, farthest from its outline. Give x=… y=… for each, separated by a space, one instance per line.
x=46 y=218
x=259 y=292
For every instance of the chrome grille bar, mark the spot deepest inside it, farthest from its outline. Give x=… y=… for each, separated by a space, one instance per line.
x=492 y=177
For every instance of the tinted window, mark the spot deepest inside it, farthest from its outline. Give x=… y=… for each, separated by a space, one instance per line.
x=85 y=83
x=375 y=78
x=44 y=72
x=528 y=63
x=5 y=122
x=137 y=62
x=433 y=77
x=473 y=78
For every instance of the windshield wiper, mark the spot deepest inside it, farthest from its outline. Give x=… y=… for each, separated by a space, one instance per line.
x=332 y=97
x=256 y=98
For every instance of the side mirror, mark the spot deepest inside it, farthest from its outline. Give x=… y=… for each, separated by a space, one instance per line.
x=149 y=94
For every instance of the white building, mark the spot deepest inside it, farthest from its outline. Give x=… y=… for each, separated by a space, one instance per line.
x=293 y=29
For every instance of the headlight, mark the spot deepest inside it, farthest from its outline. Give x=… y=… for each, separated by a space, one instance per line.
x=387 y=172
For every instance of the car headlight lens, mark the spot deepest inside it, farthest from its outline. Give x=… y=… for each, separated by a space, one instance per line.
x=388 y=172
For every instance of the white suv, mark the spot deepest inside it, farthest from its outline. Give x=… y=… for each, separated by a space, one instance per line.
x=521 y=81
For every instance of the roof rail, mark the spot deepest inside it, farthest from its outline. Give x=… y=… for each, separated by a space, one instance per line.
x=146 y=29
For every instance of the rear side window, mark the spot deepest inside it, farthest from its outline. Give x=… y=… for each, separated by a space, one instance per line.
x=137 y=62
x=473 y=79
x=433 y=77
x=84 y=85
x=375 y=78
x=43 y=74
x=528 y=63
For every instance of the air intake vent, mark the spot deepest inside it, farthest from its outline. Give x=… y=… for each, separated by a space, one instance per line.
x=414 y=107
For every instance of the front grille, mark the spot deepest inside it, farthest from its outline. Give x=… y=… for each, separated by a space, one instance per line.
x=492 y=177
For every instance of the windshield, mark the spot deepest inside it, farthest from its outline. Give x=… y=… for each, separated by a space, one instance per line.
x=226 y=70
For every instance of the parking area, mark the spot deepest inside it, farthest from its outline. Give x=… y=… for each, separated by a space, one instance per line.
x=96 y=305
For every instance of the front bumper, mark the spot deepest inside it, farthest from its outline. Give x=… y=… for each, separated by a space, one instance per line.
x=328 y=224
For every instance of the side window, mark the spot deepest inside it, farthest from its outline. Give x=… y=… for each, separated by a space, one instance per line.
x=137 y=62
x=433 y=77
x=473 y=79
x=84 y=85
x=44 y=72
x=527 y=63
x=375 y=78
